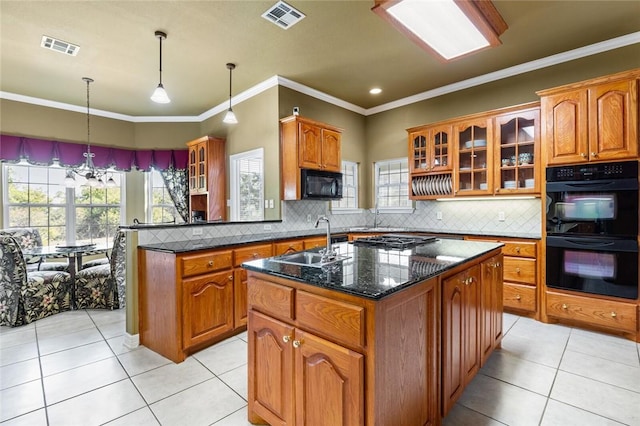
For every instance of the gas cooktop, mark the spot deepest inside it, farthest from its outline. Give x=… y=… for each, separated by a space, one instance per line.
x=394 y=241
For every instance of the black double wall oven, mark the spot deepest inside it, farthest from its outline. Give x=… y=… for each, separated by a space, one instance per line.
x=592 y=228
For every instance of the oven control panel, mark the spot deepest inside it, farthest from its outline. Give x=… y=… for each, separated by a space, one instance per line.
x=601 y=171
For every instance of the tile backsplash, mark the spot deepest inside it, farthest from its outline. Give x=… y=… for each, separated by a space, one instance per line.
x=522 y=218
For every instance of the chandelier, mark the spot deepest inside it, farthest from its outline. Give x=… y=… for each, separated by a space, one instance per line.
x=95 y=178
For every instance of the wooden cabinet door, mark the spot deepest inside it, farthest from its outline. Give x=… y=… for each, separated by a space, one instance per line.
x=193 y=167
x=474 y=140
x=287 y=247
x=613 y=121
x=201 y=167
x=440 y=148
x=452 y=344
x=517 y=154
x=329 y=383
x=471 y=326
x=309 y=146
x=207 y=307
x=490 y=306
x=271 y=370
x=240 y=297
x=311 y=243
x=418 y=152
x=331 y=160
x=565 y=127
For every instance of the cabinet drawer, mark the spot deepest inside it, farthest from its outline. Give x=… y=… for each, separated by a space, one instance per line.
x=518 y=296
x=271 y=298
x=286 y=247
x=251 y=253
x=519 y=249
x=337 y=320
x=617 y=315
x=520 y=270
x=205 y=262
x=311 y=243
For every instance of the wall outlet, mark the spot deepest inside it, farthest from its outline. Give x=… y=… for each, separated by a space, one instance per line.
x=308 y=218
x=271 y=203
x=266 y=204
x=439 y=215
x=267 y=227
x=501 y=216
x=197 y=231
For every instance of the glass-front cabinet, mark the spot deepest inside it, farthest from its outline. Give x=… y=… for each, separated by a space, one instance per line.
x=517 y=152
x=431 y=161
x=474 y=140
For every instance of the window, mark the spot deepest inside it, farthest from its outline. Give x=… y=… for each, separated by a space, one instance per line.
x=35 y=196
x=247 y=185
x=349 y=199
x=392 y=185
x=160 y=205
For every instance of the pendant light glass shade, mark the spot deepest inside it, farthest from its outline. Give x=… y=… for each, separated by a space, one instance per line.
x=230 y=116
x=160 y=95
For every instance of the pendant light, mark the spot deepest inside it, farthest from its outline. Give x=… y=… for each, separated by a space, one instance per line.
x=230 y=117
x=88 y=170
x=160 y=95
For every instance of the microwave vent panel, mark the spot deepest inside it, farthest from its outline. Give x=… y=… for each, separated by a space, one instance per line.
x=283 y=15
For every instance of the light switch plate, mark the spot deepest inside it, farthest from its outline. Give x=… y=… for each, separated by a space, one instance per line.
x=439 y=215
x=501 y=216
x=197 y=231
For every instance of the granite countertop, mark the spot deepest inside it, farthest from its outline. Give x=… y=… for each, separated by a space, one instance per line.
x=236 y=240
x=374 y=273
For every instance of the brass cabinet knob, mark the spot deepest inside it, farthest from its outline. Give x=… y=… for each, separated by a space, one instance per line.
x=210 y=263
x=564 y=306
x=517 y=270
x=230 y=277
x=518 y=297
x=286 y=339
x=296 y=343
x=594 y=154
x=583 y=155
x=517 y=249
x=613 y=315
x=255 y=255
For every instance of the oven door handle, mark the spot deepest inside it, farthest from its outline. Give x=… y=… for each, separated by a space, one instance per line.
x=591 y=244
x=626 y=245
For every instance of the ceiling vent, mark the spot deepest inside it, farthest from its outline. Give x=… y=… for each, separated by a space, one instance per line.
x=59 y=46
x=283 y=15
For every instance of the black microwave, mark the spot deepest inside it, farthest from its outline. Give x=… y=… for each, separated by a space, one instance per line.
x=320 y=185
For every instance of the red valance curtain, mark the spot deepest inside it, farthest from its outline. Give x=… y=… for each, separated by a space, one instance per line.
x=44 y=152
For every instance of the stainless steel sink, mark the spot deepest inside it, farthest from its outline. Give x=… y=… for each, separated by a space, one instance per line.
x=308 y=259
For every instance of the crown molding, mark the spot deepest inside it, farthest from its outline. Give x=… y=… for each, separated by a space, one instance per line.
x=276 y=80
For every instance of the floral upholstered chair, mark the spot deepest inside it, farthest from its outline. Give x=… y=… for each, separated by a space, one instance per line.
x=28 y=296
x=29 y=238
x=103 y=286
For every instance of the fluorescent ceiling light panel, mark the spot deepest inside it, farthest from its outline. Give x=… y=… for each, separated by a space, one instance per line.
x=441 y=24
x=447 y=28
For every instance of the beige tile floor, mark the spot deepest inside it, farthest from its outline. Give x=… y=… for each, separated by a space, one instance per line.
x=72 y=369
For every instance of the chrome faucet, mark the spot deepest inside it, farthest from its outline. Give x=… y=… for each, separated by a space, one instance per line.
x=327 y=253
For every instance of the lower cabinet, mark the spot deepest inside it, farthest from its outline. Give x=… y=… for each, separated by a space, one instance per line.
x=324 y=358
x=240 y=255
x=316 y=381
x=460 y=334
x=207 y=308
x=617 y=316
x=471 y=325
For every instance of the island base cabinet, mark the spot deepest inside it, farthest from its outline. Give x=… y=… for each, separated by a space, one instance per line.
x=298 y=378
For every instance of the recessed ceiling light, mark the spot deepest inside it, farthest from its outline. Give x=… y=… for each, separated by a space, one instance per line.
x=375 y=91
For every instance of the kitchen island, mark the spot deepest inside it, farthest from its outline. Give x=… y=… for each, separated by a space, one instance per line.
x=383 y=337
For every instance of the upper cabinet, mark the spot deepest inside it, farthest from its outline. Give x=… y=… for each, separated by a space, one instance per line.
x=594 y=120
x=491 y=153
x=474 y=143
x=517 y=152
x=207 y=176
x=306 y=144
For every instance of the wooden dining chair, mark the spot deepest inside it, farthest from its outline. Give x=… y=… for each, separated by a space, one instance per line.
x=28 y=296
x=103 y=286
